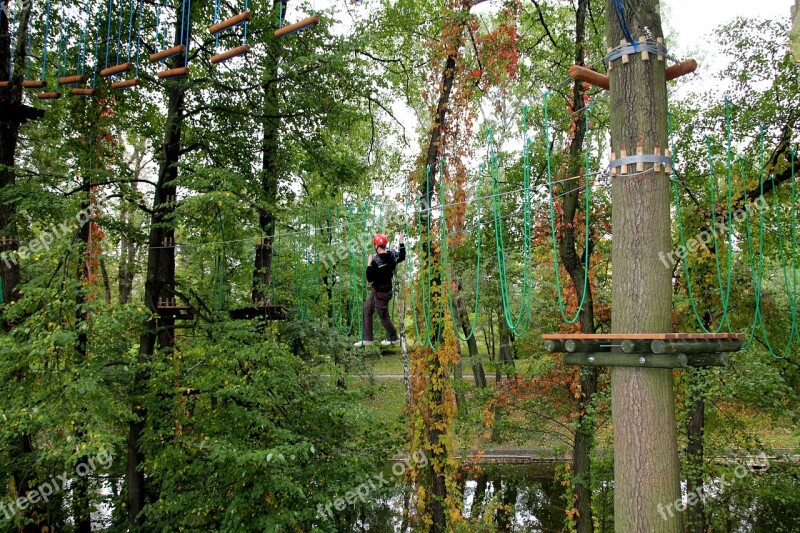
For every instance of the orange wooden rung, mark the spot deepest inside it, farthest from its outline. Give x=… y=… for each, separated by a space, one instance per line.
x=166 y=54
x=242 y=17
x=116 y=69
x=589 y=76
x=297 y=26
x=173 y=72
x=125 y=84
x=34 y=84
x=230 y=54
x=72 y=80
x=681 y=69
x=48 y=96
x=5 y=84
x=83 y=92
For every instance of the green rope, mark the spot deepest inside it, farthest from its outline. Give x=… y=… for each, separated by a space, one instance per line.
x=446 y=260
x=553 y=239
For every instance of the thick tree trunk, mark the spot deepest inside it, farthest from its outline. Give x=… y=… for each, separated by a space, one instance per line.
x=270 y=171
x=695 y=461
x=646 y=467
x=159 y=285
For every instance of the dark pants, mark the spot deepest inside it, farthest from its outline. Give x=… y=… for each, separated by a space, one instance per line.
x=380 y=301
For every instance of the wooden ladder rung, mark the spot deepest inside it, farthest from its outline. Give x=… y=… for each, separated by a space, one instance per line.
x=167 y=53
x=297 y=26
x=173 y=72
x=126 y=84
x=49 y=96
x=116 y=69
x=241 y=18
x=72 y=80
x=230 y=54
x=34 y=84
x=83 y=92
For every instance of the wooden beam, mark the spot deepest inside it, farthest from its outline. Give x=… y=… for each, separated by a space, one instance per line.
x=116 y=69
x=629 y=360
x=681 y=69
x=230 y=54
x=5 y=84
x=297 y=26
x=49 y=96
x=72 y=80
x=34 y=84
x=643 y=336
x=83 y=92
x=241 y=18
x=589 y=76
x=125 y=84
x=167 y=53
x=173 y=72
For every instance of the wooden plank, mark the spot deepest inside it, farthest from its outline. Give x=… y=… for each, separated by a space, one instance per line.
x=628 y=360
x=230 y=54
x=83 y=92
x=244 y=16
x=173 y=72
x=34 y=84
x=125 y=84
x=49 y=96
x=167 y=53
x=297 y=26
x=72 y=80
x=642 y=336
x=116 y=69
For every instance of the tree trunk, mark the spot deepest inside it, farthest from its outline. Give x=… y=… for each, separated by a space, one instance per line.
x=506 y=361
x=646 y=472
x=159 y=285
x=270 y=171
x=573 y=262
x=695 y=428
x=472 y=344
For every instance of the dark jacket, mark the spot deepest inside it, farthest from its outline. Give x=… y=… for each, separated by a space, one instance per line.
x=380 y=272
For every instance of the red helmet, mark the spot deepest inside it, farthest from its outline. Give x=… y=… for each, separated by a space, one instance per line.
x=380 y=240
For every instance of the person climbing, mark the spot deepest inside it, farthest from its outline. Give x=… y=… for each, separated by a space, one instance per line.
x=380 y=270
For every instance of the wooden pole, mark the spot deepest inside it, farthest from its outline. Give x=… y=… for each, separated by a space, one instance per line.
x=646 y=466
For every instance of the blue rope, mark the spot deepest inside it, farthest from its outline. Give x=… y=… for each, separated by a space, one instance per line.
x=130 y=30
x=46 y=36
x=187 y=33
x=97 y=52
x=244 y=34
x=158 y=25
x=108 y=30
x=139 y=38
x=11 y=59
x=82 y=46
x=619 y=10
x=216 y=21
x=62 y=54
x=119 y=32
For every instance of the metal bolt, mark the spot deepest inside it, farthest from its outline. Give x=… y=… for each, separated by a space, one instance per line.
x=591 y=359
x=642 y=360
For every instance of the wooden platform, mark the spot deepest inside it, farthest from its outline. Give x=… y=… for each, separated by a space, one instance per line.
x=177 y=312
x=645 y=336
x=268 y=312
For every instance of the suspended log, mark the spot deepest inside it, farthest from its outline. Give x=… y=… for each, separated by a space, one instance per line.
x=591 y=77
x=167 y=53
x=708 y=359
x=696 y=346
x=681 y=69
x=624 y=359
x=49 y=96
x=83 y=92
x=241 y=18
x=116 y=69
x=230 y=54
x=629 y=346
x=297 y=26
x=72 y=80
x=554 y=346
x=34 y=84
x=125 y=84
x=173 y=72
x=5 y=84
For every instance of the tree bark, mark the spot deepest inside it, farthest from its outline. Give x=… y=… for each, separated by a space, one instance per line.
x=159 y=284
x=646 y=472
x=270 y=171
x=478 y=372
